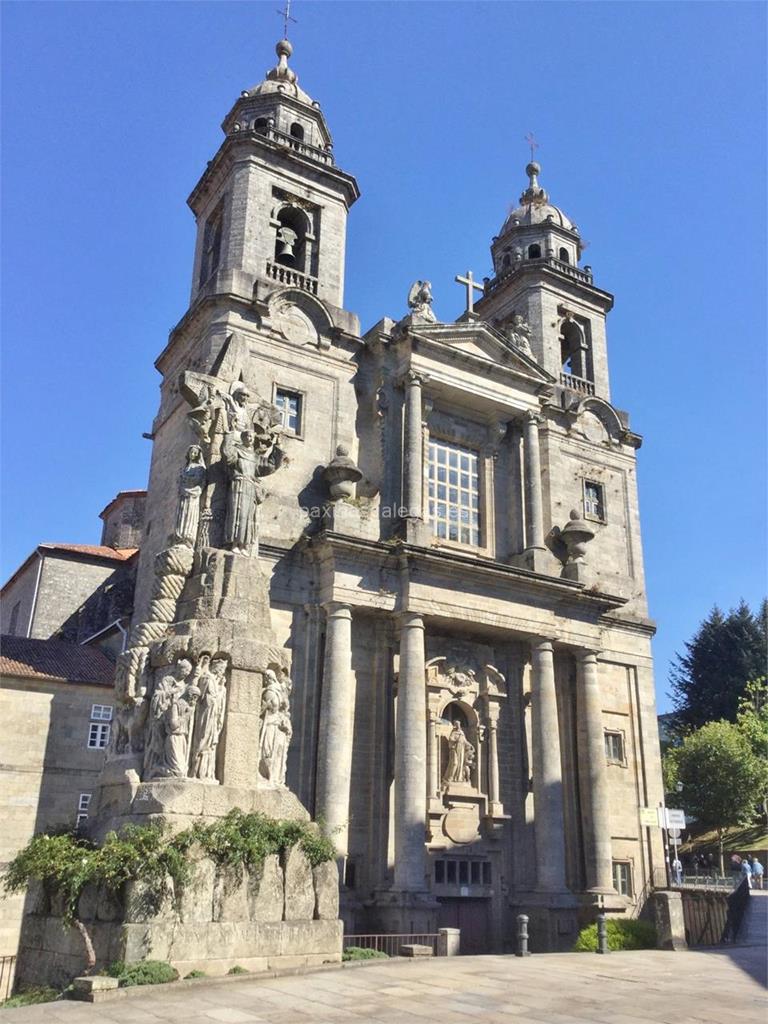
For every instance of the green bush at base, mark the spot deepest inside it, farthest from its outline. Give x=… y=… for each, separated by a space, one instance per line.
x=237 y=969
x=358 y=953
x=195 y=974
x=622 y=934
x=30 y=996
x=144 y=972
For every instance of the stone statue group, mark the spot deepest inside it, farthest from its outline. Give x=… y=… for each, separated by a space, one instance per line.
x=185 y=719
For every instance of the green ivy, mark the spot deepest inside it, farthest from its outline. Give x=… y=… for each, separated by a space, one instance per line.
x=144 y=972
x=361 y=953
x=623 y=933
x=67 y=863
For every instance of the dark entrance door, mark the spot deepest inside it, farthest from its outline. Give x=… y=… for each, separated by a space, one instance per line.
x=472 y=917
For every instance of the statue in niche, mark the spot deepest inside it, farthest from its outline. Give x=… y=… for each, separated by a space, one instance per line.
x=171 y=711
x=469 y=761
x=191 y=486
x=209 y=715
x=519 y=333
x=276 y=730
x=246 y=461
x=458 y=755
x=420 y=301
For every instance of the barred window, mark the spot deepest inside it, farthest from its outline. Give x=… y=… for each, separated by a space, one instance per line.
x=454 y=492
x=622 y=877
x=289 y=406
x=614 y=747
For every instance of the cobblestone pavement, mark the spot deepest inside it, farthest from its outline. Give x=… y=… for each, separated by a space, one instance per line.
x=701 y=987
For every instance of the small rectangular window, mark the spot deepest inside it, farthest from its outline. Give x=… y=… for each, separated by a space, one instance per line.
x=81 y=820
x=486 y=873
x=84 y=801
x=463 y=872
x=289 y=406
x=212 y=243
x=614 y=747
x=451 y=872
x=622 y=877
x=98 y=735
x=101 y=712
x=474 y=872
x=440 y=872
x=594 y=501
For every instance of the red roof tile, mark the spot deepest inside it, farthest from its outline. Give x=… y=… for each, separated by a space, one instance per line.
x=54 y=659
x=100 y=550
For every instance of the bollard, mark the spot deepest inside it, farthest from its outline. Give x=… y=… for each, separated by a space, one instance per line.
x=602 y=933
x=522 y=935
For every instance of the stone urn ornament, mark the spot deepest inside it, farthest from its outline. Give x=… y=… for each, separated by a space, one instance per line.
x=341 y=474
x=576 y=534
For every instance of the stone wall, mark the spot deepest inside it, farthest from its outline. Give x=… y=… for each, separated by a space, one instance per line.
x=46 y=766
x=283 y=915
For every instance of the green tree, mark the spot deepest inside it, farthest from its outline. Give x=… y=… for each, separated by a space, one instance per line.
x=722 y=777
x=752 y=722
x=709 y=679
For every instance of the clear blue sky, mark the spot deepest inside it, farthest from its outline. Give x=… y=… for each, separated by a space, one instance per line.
x=651 y=118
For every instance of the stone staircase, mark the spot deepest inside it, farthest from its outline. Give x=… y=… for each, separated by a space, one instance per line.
x=754 y=927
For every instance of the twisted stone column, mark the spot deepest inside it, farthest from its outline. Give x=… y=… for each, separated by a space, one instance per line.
x=549 y=819
x=337 y=719
x=592 y=775
x=411 y=757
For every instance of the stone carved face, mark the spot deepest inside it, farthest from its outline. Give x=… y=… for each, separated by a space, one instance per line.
x=183 y=668
x=194 y=454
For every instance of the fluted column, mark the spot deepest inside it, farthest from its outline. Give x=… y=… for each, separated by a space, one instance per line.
x=337 y=715
x=434 y=756
x=593 y=779
x=411 y=757
x=534 y=504
x=549 y=822
x=413 y=447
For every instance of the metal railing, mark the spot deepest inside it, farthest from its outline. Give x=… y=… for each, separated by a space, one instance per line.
x=719 y=882
x=7 y=973
x=390 y=944
x=292 y=278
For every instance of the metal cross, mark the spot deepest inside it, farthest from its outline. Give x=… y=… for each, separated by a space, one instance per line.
x=471 y=284
x=531 y=140
x=286 y=16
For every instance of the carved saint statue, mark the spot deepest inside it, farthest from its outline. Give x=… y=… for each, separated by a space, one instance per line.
x=209 y=716
x=276 y=728
x=245 y=464
x=420 y=301
x=519 y=333
x=171 y=710
x=458 y=756
x=190 y=490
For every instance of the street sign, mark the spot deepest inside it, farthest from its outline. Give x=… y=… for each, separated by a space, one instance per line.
x=649 y=816
x=675 y=833
x=675 y=818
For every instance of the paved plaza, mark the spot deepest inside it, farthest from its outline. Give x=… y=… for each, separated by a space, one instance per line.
x=703 y=987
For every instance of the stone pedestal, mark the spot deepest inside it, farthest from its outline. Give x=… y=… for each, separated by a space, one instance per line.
x=669 y=920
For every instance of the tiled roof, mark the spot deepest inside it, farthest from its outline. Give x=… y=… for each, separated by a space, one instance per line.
x=54 y=659
x=100 y=550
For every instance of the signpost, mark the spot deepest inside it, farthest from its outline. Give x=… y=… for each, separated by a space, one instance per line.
x=675 y=823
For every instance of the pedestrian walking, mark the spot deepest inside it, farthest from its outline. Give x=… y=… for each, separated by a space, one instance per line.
x=757 y=873
x=677 y=871
x=746 y=871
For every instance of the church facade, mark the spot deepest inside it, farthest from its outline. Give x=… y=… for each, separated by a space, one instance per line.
x=452 y=537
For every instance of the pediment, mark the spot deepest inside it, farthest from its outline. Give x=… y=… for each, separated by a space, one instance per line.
x=477 y=340
x=299 y=317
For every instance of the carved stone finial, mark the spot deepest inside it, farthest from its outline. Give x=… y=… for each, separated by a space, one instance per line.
x=341 y=474
x=576 y=534
x=534 y=193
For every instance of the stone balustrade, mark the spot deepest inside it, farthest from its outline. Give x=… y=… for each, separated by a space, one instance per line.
x=291 y=278
x=579 y=384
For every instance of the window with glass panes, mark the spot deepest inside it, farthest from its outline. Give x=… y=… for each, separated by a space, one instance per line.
x=289 y=406
x=454 y=492
x=594 y=502
x=614 y=747
x=622 y=877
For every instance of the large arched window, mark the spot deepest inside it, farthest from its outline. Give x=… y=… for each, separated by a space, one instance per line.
x=534 y=252
x=290 y=248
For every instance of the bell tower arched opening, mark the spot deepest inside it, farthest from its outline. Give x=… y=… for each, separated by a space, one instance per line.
x=290 y=238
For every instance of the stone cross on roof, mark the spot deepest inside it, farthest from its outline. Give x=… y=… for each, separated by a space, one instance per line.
x=286 y=16
x=471 y=286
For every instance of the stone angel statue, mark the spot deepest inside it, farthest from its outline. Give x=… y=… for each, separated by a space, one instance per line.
x=420 y=301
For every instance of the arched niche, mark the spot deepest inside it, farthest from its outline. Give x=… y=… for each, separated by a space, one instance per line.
x=598 y=421
x=575 y=346
x=300 y=317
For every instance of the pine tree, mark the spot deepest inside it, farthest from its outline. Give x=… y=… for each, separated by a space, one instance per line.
x=724 y=654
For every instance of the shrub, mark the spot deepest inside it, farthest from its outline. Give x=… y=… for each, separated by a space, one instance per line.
x=30 y=996
x=622 y=934
x=359 y=953
x=195 y=974
x=143 y=972
x=237 y=969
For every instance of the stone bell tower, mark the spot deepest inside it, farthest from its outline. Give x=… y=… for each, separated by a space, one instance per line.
x=271 y=206
x=536 y=275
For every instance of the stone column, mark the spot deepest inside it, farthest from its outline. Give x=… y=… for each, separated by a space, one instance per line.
x=413 y=448
x=592 y=775
x=493 y=763
x=434 y=756
x=534 y=504
x=411 y=758
x=549 y=823
x=337 y=715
